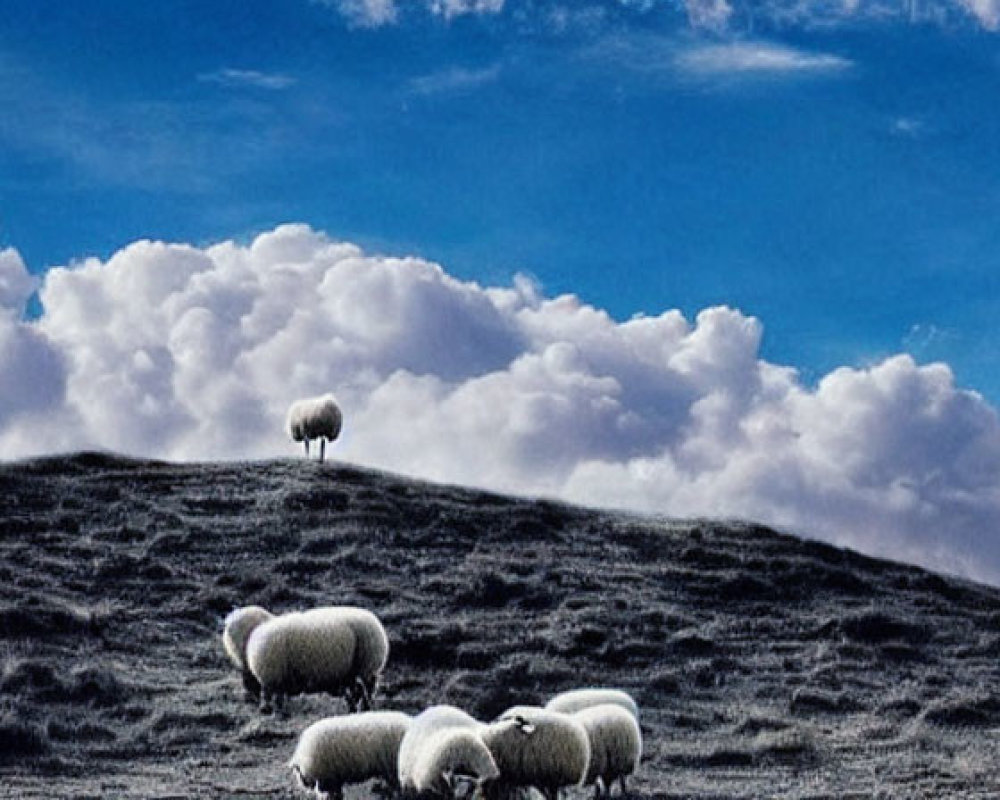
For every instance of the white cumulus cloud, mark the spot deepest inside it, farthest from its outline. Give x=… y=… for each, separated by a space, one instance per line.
x=32 y=374
x=183 y=352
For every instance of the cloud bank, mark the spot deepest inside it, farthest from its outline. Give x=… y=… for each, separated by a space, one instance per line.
x=180 y=352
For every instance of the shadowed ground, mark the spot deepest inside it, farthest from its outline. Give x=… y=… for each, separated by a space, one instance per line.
x=765 y=666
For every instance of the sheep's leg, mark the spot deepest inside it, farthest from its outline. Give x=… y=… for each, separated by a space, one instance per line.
x=325 y=791
x=322 y=448
x=306 y=443
x=251 y=686
x=351 y=698
x=364 y=694
x=273 y=701
x=621 y=783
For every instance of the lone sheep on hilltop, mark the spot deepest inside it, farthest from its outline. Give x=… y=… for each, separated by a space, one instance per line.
x=314 y=418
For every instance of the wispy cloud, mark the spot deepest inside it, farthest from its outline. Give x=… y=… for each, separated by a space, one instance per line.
x=907 y=127
x=365 y=13
x=718 y=16
x=666 y=56
x=710 y=14
x=986 y=11
x=456 y=79
x=248 y=77
x=149 y=143
x=757 y=58
x=457 y=8
x=376 y=13
x=739 y=14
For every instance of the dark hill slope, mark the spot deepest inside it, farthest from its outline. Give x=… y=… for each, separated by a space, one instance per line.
x=766 y=666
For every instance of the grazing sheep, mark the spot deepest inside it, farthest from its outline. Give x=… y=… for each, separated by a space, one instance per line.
x=578 y=699
x=423 y=727
x=538 y=747
x=335 y=649
x=237 y=629
x=314 y=418
x=448 y=756
x=615 y=745
x=349 y=749
x=370 y=655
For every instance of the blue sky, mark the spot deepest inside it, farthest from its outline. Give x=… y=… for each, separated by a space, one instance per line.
x=834 y=174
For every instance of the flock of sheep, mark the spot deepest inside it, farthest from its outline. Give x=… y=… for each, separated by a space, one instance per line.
x=580 y=738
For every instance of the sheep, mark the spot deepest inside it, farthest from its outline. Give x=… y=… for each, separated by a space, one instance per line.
x=349 y=749
x=334 y=649
x=578 y=699
x=371 y=653
x=447 y=756
x=238 y=626
x=538 y=747
x=417 y=756
x=314 y=418
x=615 y=745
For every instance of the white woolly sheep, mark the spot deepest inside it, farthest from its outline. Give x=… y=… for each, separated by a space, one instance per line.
x=422 y=728
x=370 y=655
x=578 y=699
x=615 y=745
x=237 y=629
x=447 y=756
x=537 y=747
x=349 y=749
x=335 y=649
x=314 y=418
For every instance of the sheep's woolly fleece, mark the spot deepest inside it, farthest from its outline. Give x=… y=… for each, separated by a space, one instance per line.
x=351 y=748
x=180 y=352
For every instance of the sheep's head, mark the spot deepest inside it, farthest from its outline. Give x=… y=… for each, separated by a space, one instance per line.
x=238 y=626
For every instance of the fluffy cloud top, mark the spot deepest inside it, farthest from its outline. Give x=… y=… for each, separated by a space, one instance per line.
x=181 y=352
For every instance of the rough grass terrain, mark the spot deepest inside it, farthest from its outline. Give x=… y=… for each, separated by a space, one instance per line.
x=765 y=666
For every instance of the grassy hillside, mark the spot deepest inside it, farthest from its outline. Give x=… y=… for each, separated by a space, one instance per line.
x=765 y=666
